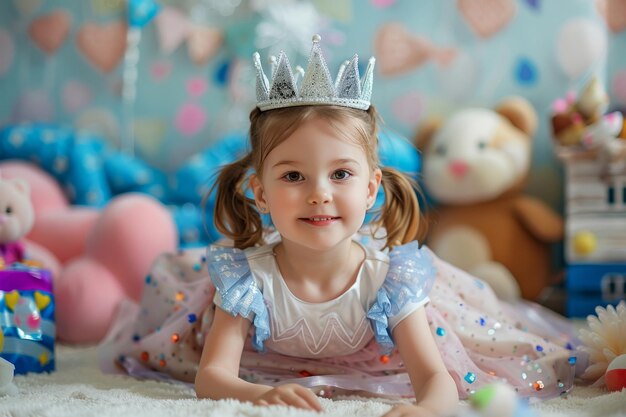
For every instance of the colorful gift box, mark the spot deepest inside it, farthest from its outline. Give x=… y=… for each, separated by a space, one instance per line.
x=27 y=318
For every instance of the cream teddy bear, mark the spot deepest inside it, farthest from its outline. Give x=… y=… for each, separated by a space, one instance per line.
x=475 y=166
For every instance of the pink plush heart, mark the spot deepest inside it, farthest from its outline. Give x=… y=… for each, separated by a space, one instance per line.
x=50 y=31
x=203 y=43
x=103 y=45
x=486 y=17
x=398 y=51
x=614 y=13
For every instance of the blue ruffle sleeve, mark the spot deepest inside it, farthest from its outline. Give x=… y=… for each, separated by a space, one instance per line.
x=406 y=287
x=238 y=291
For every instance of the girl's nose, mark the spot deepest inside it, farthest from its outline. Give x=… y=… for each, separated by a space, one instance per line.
x=319 y=195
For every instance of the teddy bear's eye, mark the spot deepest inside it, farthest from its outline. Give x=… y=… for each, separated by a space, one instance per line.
x=8 y=210
x=440 y=149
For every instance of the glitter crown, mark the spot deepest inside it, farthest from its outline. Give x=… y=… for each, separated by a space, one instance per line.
x=317 y=87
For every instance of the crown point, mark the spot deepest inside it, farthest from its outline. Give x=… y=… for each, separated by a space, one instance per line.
x=317 y=38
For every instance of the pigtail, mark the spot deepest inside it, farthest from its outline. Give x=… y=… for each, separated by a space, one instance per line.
x=235 y=214
x=400 y=213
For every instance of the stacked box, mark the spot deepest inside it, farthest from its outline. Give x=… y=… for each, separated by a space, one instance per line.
x=595 y=232
x=27 y=318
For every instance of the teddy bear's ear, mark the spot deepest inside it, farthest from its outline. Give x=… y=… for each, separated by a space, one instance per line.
x=21 y=185
x=520 y=113
x=426 y=132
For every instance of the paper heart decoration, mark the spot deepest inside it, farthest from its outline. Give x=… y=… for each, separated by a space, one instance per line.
x=203 y=43
x=11 y=299
x=174 y=27
x=398 y=51
x=487 y=17
x=42 y=300
x=50 y=31
x=103 y=44
x=614 y=13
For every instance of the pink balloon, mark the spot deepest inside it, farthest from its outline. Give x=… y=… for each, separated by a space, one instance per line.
x=76 y=96
x=196 y=86
x=190 y=119
x=383 y=3
x=619 y=86
x=7 y=51
x=160 y=70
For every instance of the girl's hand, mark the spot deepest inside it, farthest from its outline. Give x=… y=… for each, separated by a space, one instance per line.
x=410 y=410
x=290 y=394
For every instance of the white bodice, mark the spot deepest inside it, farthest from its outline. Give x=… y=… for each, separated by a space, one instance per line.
x=328 y=329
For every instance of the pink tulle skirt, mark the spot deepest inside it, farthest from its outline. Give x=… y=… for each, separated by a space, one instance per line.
x=481 y=339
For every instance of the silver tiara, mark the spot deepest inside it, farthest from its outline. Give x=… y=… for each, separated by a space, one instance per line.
x=317 y=86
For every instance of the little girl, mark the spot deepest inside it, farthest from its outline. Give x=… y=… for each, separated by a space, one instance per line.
x=317 y=307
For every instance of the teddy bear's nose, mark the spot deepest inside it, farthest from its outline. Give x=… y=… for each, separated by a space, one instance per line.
x=458 y=168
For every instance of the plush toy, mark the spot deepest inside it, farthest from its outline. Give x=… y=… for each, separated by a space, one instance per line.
x=16 y=219
x=475 y=167
x=98 y=257
x=580 y=123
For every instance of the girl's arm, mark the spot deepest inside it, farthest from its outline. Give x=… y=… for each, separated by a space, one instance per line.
x=218 y=373
x=435 y=391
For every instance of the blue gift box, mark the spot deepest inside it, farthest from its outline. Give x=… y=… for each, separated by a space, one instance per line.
x=594 y=284
x=27 y=318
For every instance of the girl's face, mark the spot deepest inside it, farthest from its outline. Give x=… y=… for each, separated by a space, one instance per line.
x=317 y=187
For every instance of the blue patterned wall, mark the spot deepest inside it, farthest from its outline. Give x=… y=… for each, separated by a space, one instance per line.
x=194 y=79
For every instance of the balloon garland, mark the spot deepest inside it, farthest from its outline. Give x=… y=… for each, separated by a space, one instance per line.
x=140 y=12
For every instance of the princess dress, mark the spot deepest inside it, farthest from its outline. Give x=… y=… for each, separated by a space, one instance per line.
x=343 y=345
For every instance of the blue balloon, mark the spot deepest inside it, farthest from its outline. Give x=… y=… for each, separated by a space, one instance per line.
x=140 y=12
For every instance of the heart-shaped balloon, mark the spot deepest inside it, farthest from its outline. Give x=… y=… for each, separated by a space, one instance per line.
x=11 y=299
x=103 y=44
x=486 y=17
x=398 y=51
x=614 y=13
x=50 y=31
x=203 y=43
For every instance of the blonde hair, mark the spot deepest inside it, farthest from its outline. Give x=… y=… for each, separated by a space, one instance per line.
x=236 y=216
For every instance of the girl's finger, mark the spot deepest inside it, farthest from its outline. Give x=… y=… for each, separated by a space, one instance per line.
x=310 y=398
x=295 y=400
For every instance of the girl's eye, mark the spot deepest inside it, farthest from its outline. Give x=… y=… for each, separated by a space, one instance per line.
x=341 y=174
x=293 y=176
x=8 y=210
x=482 y=145
x=441 y=150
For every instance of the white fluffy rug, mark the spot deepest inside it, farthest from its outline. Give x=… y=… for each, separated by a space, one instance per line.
x=78 y=388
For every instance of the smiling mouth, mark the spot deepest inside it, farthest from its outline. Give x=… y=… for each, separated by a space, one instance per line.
x=321 y=220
